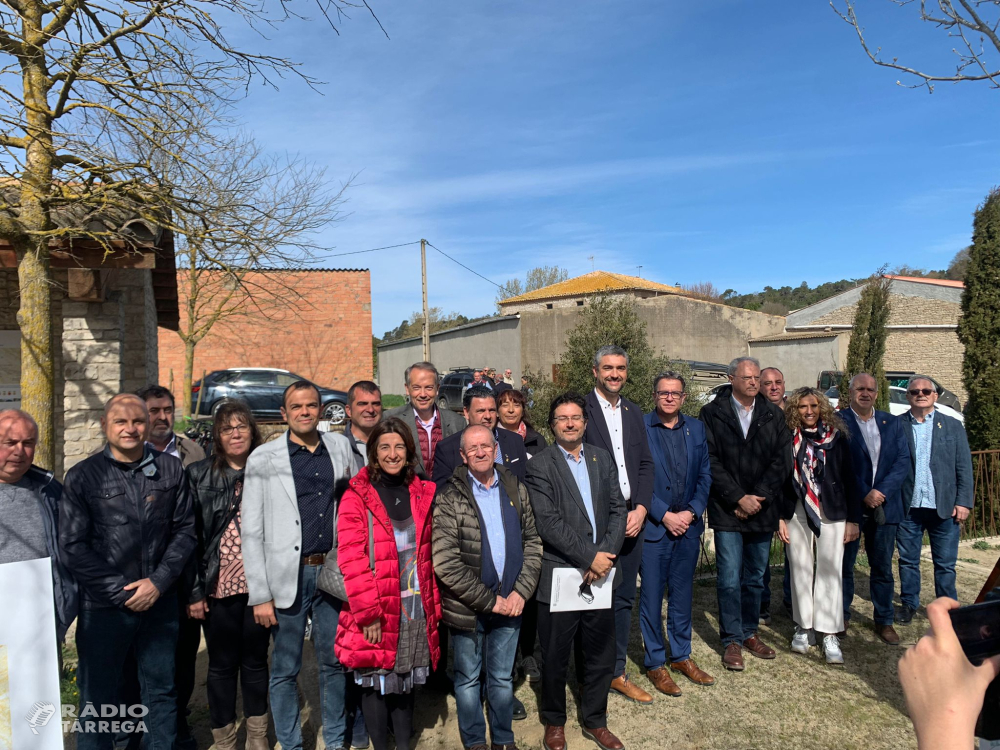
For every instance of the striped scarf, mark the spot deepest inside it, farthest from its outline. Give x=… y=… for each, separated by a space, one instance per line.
x=809 y=451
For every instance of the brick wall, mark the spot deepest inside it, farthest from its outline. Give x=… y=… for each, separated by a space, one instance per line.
x=316 y=323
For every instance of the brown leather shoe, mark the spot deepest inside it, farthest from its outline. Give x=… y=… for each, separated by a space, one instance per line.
x=887 y=634
x=628 y=689
x=733 y=658
x=663 y=682
x=691 y=670
x=758 y=648
x=555 y=738
x=604 y=739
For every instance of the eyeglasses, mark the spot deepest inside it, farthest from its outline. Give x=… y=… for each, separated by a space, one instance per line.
x=230 y=429
x=586 y=593
x=921 y=391
x=670 y=394
x=564 y=420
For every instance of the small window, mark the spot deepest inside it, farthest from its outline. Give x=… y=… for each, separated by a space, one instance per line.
x=285 y=379
x=254 y=378
x=548 y=305
x=579 y=303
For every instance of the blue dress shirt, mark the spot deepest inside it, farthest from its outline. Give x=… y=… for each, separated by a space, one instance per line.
x=488 y=500
x=578 y=468
x=923 y=482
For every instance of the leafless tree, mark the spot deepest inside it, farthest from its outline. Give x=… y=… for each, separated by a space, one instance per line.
x=78 y=78
x=971 y=25
x=703 y=290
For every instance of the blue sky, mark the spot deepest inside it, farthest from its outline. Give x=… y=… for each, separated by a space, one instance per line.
x=735 y=142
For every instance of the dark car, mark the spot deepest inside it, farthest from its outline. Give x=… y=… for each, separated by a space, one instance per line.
x=453 y=387
x=261 y=388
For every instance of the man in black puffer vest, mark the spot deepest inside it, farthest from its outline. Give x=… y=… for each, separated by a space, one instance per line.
x=487 y=556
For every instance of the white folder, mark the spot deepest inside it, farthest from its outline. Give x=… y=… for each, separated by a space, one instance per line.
x=566 y=596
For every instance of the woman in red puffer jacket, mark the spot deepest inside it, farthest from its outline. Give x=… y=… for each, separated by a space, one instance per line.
x=388 y=629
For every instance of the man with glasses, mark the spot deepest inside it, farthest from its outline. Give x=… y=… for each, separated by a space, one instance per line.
x=682 y=478
x=880 y=455
x=580 y=516
x=937 y=495
x=772 y=385
x=749 y=446
x=615 y=424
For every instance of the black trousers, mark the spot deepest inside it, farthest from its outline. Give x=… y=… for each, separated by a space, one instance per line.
x=237 y=651
x=557 y=635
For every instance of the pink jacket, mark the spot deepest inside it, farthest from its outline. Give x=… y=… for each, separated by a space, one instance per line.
x=375 y=596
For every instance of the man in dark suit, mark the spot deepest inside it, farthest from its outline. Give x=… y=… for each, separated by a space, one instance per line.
x=428 y=424
x=880 y=455
x=480 y=404
x=937 y=495
x=580 y=516
x=749 y=446
x=670 y=553
x=615 y=424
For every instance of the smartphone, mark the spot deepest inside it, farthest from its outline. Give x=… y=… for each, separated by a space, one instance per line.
x=978 y=629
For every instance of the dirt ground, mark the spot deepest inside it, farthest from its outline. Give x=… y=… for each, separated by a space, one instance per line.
x=792 y=701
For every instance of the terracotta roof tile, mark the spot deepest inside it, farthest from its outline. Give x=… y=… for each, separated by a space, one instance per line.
x=593 y=283
x=935 y=282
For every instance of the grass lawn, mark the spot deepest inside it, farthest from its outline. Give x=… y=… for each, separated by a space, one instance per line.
x=791 y=702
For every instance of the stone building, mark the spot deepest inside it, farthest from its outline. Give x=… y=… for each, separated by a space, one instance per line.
x=923 y=337
x=530 y=334
x=105 y=314
x=315 y=322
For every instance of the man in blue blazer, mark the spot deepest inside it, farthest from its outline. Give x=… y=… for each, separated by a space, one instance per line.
x=937 y=495
x=681 y=480
x=880 y=455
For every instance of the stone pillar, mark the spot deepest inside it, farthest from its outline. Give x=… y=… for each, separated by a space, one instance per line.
x=106 y=349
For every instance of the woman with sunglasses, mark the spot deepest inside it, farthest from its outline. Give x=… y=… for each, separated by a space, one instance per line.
x=237 y=646
x=821 y=511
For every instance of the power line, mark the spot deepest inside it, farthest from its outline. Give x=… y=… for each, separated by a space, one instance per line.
x=375 y=249
x=465 y=267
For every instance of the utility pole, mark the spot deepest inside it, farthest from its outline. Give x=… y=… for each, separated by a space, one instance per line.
x=427 y=321
x=639 y=269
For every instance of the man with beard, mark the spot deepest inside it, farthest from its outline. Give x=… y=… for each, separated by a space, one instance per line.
x=162 y=437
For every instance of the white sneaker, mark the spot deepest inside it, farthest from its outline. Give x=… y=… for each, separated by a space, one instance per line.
x=831 y=650
x=800 y=641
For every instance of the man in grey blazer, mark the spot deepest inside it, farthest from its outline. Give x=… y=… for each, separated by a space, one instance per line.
x=428 y=424
x=289 y=512
x=937 y=495
x=580 y=515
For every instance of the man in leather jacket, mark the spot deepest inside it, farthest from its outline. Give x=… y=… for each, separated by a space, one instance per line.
x=126 y=531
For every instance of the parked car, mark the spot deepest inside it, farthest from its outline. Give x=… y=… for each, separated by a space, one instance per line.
x=453 y=387
x=897 y=378
x=261 y=388
x=898 y=403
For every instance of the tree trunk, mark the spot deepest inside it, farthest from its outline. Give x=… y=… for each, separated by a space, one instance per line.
x=186 y=381
x=34 y=318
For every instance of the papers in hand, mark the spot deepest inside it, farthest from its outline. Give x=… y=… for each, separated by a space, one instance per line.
x=570 y=595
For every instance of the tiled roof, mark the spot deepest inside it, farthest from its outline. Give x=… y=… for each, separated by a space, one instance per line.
x=593 y=283
x=795 y=335
x=935 y=282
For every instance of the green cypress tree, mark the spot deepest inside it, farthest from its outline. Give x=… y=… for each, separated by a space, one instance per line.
x=979 y=327
x=869 y=332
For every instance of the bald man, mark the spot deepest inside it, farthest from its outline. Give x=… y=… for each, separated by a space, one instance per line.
x=126 y=532
x=29 y=510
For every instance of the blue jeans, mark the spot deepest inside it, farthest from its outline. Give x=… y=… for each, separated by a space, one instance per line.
x=880 y=541
x=740 y=559
x=668 y=563
x=103 y=639
x=944 y=534
x=495 y=640
x=286 y=661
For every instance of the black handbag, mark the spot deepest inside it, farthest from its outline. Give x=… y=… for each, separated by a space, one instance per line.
x=331 y=578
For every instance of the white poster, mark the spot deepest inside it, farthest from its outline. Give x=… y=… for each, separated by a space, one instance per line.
x=30 y=712
x=570 y=595
x=10 y=373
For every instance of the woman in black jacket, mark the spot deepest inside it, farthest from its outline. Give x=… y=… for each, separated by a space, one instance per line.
x=237 y=646
x=511 y=406
x=821 y=509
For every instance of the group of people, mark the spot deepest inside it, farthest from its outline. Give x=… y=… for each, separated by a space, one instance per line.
x=419 y=526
